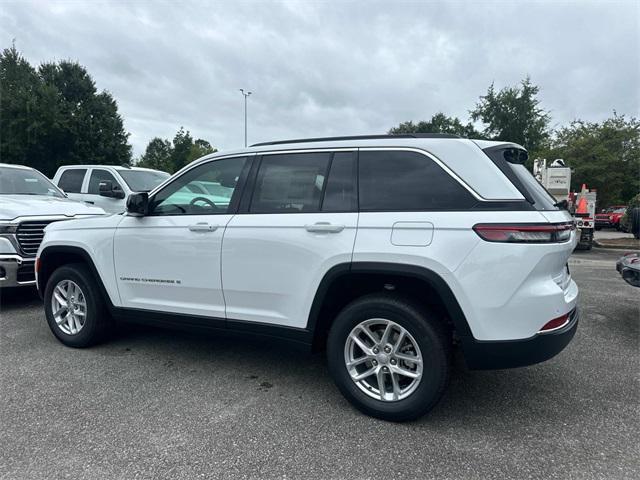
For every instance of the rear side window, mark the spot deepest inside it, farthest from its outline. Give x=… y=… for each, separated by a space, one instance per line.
x=97 y=176
x=71 y=180
x=290 y=183
x=340 y=194
x=407 y=181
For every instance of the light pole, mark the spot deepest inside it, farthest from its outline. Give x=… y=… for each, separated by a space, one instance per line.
x=245 y=95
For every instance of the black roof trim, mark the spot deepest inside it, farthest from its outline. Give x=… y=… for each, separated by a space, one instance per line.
x=358 y=137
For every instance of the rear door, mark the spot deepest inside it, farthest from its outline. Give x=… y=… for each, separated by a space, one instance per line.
x=71 y=181
x=297 y=222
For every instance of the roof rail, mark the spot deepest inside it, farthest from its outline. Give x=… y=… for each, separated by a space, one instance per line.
x=358 y=137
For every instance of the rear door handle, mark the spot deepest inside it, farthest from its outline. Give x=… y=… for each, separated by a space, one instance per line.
x=324 y=227
x=90 y=202
x=203 y=227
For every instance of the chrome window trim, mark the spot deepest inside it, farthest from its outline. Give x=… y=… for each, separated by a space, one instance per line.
x=251 y=154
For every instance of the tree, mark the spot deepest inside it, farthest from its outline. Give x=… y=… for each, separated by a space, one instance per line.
x=172 y=156
x=439 y=123
x=157 y=155
x=20 y=95
x=513 y=114
x=605 y=156
x=55 y=116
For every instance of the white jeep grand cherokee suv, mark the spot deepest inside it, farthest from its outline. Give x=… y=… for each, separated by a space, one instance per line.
x=383 y=250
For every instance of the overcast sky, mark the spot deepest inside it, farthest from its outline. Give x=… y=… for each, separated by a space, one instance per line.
x=332 y=68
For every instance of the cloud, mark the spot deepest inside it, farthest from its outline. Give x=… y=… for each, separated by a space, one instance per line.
x=332 y=68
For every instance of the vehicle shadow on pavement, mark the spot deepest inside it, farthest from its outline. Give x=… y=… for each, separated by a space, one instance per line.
x=539 y=395
x=18 y=298
x=475 y=399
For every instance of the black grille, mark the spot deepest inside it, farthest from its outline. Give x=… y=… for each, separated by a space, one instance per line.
x=30 y=235
x=26 y=272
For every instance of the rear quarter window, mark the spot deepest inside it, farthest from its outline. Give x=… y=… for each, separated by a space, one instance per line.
x=407 y=181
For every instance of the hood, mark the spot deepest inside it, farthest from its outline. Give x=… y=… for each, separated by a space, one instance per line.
x=13 y=206
x=108 y=221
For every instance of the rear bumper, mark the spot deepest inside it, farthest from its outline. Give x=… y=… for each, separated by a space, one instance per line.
x=486 y=355
x=16 y=271
x=604 y=223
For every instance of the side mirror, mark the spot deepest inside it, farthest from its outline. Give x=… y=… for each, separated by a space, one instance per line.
x=117 y=192
x=105 y=187
x=108 y=189
x=138 y=204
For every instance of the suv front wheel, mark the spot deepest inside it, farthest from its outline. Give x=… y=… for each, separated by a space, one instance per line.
x=389 y=356
x=74 y=307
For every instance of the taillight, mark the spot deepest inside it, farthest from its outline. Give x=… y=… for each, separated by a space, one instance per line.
x=555 y=323
x=525 y=233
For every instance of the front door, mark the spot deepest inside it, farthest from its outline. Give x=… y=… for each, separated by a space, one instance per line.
x=169 y=260
x=93 y=197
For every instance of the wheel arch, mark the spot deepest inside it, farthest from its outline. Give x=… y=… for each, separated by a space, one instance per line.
x=55 y=256
x=348 y=281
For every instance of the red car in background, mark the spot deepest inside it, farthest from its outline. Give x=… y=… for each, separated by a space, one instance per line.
x=610 y=217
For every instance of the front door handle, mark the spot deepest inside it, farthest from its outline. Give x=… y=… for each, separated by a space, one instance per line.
x=90 y=202
x=324 y=227
x=203 y=227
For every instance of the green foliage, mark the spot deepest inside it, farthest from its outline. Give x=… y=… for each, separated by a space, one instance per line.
x=439 y=123
x=157 y=155
x=53 y=116
x=172 y=156
x=605 y=156
x=631 y=204
x=513 y=114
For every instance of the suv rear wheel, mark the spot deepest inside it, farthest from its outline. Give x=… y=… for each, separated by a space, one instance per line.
x=74 y=307
x=389 y=357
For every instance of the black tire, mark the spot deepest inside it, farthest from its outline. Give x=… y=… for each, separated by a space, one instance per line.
x=635 y=222
x=430 y=334
x=598 y=228
x=97 y=321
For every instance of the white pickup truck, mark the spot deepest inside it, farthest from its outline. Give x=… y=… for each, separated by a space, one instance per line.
x=28 y=203
x=106 y=186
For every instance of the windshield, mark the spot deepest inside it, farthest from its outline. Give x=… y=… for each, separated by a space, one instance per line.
x=542 y=199
x=143 y=180
x=18 y=181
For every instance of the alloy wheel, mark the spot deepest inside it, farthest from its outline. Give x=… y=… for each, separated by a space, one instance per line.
x=383 y=359
x=69 y=307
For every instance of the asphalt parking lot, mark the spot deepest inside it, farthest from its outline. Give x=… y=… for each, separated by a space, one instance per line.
x=162 y=404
